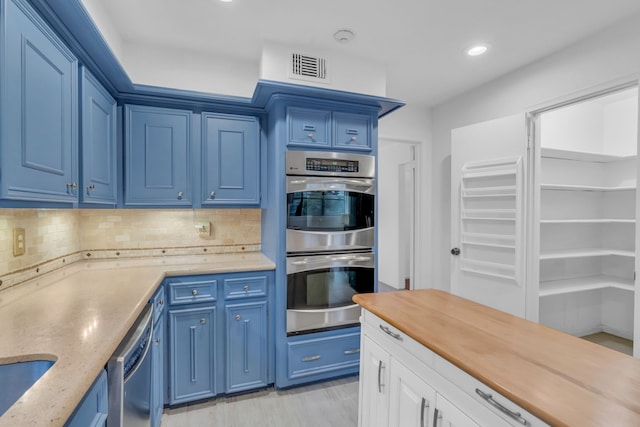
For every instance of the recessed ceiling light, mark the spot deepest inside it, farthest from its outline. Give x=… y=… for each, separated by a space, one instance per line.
x=478 y=49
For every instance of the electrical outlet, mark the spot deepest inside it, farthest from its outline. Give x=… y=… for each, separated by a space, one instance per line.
x=19 y=241
x=204 y=228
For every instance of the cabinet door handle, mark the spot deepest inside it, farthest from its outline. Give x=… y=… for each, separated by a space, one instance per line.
x=423 y=408
x=491 y=401
x=194 y=292
x=238 y=317
x=245 y=288
x=354 y=351
x=311 y=358
x=380 y=366
x=389 y=332
x=203 y=321
x=180 y=194
x=212 y=195
x=437 y=416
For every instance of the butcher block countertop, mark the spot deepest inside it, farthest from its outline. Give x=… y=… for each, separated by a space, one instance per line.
x=78 y=315
x=564 y=380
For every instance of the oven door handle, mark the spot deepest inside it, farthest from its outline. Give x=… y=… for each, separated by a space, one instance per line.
x=354 y=182
x=307 y=261
x=323 y=310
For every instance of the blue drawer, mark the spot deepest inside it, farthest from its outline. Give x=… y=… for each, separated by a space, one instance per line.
x=320 y=355
x=352 y=131
x=308 y=127
x=190 y=292
x=245 y=287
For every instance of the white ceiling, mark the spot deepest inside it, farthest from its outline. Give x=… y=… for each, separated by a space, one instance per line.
x=420 y=42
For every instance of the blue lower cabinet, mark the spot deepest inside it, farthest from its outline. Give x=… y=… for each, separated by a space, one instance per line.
x=246 y=346
x=92 y=410
x=192 y=352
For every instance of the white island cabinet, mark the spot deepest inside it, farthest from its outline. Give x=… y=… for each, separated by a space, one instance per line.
x=433 y=359
x=402 y=384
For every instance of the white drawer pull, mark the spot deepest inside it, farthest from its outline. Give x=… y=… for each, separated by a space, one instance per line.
x=393 y=334
x=489 y=398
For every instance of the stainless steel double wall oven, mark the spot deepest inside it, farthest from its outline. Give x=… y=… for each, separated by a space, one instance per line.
x=330 y=238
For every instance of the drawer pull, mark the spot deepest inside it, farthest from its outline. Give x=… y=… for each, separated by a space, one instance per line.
x=310 y=136
x=194 y=292
x=311 y=358
x=489 y=398
x=354 y=351
x=393 y=334
x=245 y=288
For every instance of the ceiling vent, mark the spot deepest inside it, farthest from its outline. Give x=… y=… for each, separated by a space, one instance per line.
x=309 y=68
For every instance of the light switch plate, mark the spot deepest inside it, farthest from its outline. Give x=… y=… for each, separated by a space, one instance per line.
x=19 y=241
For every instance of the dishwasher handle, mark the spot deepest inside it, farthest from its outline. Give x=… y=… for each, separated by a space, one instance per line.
x=138 y=343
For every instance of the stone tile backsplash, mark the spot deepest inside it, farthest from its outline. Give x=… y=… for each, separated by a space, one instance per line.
x=58 y=236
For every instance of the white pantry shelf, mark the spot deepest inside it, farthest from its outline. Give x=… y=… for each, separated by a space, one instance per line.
x=588 y=221
x=574 y=187
x=582 y=156
x=581 y=284
x=585 y=253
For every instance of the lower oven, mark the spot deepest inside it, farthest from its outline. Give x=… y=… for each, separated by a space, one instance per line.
x=320 y=288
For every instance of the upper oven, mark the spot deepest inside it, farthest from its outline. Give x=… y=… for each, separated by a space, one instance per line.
x=330 y=201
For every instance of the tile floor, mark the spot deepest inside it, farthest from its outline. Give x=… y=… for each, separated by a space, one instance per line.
x=327 y=404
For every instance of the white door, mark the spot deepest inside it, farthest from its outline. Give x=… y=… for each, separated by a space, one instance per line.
x=374 y=385
x=488 y=200
x=412 y=401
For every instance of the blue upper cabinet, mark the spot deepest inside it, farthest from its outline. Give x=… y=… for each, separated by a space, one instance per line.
x=230 y=160
x=38 y=109
x=318 y=128
x=157 y=152
x=98 y=183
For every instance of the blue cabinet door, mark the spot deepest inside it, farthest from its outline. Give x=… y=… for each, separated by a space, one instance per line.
x=92 y=410
x=192 y=362
x=157 y=147
x=230 y=160
x=246 y=346
x=38 y=96
x=98 y=166
x=157 y=371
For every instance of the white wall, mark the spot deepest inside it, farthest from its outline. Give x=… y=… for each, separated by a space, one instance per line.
x=189 y=70
x=605 y=57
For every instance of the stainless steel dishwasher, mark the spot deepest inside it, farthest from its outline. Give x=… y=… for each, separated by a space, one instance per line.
x=129 y=376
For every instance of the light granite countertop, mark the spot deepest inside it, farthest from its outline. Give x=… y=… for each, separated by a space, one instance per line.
x=78 y=315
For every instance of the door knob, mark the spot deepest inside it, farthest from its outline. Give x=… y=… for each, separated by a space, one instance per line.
x=455 y=251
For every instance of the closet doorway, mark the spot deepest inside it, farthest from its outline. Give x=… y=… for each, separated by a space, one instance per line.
x=585 y=212
x=398 y=201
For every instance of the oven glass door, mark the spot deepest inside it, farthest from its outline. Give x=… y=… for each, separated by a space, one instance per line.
x=329 y=213
x=320 y=288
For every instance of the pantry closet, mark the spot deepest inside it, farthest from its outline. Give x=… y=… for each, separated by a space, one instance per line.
x=586 y=211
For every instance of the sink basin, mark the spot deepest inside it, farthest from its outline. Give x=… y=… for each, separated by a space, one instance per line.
x=17 y=378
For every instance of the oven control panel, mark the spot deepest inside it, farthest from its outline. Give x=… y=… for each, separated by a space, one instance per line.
x=331 y=165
